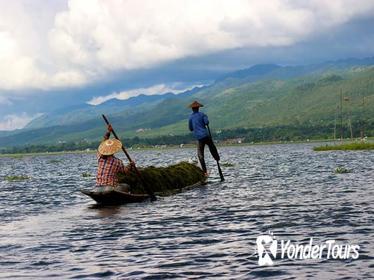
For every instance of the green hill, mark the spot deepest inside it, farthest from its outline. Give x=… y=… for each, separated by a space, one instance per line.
x=306 y=101
x=233 y=102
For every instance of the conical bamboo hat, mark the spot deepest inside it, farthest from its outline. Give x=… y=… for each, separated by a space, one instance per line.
x=110 y=147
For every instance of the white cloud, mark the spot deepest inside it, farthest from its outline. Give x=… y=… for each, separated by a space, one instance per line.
x=153 y=90
x=12 y=122
x=79 y=41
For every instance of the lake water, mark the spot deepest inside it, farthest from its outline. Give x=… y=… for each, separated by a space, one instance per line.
x=48 y=229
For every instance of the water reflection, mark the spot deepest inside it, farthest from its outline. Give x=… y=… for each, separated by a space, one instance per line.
x=106 y=211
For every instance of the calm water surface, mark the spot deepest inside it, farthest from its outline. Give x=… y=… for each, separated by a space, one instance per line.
x=49 y=230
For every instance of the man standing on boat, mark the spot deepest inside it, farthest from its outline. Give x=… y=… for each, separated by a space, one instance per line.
x=109 y=165
x=197 y=124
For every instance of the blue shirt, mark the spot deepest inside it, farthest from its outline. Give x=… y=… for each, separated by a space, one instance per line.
x=197 y=123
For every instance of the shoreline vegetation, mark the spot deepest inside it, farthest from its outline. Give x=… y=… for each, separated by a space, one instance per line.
x=335 y=145
x=346 y=147
x=264 y=135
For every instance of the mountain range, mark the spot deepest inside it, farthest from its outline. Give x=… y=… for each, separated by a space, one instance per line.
x=266 y=95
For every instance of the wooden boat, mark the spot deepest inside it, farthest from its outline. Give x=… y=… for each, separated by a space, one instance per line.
x=162 y=181
x=115 y=197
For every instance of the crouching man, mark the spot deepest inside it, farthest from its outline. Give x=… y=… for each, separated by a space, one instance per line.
x=109 y=166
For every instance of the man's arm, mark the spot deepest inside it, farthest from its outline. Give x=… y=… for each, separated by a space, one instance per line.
x=205 y=119
x=190 y=124
x=106 y=137
x=126 y=169
x=107 y=134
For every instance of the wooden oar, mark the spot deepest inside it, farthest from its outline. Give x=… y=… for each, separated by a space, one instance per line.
x=147 y=189
x=219 y=167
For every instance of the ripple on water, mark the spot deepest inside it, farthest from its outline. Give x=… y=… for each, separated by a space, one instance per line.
x=48 y=229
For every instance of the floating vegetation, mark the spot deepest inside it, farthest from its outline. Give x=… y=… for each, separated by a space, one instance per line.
x=54 y=161
x=15 y=178
x=227 y=164
x=164 y=180
x=14 y=156
x=86 y=174
x=346 y=147
x=342 y=170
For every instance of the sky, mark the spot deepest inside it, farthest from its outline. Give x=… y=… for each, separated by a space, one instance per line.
x=66 y=52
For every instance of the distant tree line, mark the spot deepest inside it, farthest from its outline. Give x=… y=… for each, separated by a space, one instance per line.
x=246 y=135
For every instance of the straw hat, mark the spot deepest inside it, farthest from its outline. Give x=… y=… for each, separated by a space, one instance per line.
x=110 y=147
x=195 y=104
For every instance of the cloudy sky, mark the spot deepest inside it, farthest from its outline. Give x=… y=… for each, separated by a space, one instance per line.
x=64 y=52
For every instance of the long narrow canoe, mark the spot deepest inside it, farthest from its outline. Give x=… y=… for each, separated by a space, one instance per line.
x=115 y=197
x=162 y=181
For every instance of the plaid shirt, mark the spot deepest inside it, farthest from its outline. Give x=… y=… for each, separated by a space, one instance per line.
x=108 y=169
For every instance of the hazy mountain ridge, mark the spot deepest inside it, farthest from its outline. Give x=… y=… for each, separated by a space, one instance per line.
x=263 y=95
x=86 y=112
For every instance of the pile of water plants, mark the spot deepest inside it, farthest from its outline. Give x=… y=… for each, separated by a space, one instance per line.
x=164 y=180
x=346 y=147
x=15 y=178
x=342 y=170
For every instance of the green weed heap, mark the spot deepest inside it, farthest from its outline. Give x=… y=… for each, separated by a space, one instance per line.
x=164 y=180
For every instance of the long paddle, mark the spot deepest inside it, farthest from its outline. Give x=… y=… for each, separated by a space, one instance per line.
x=219 y=167
x=149 y=191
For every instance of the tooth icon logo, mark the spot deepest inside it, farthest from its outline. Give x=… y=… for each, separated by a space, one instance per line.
x=266 y=247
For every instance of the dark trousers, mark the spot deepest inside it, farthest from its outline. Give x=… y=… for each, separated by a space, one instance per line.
x=200 y=151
